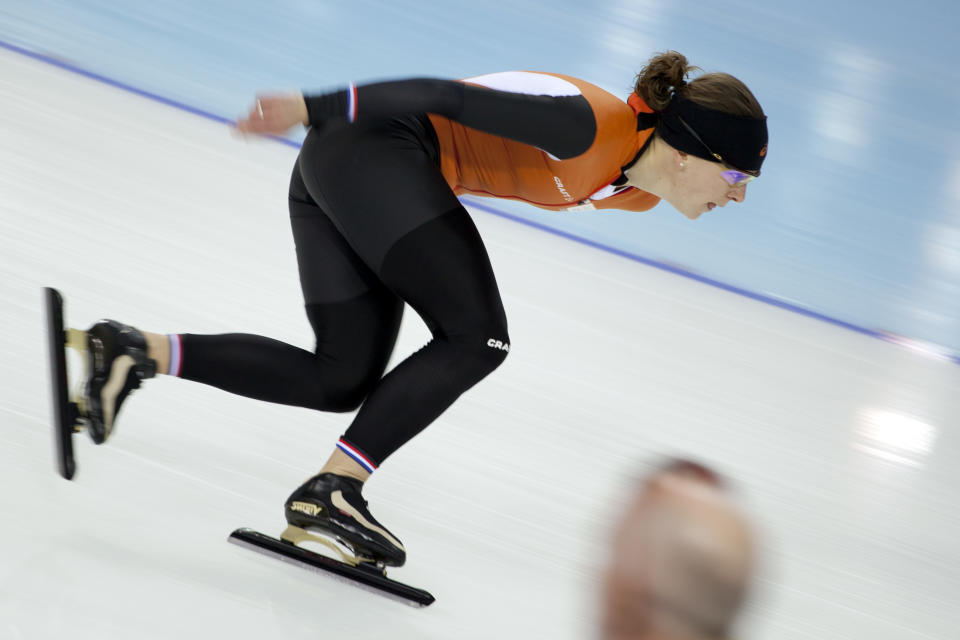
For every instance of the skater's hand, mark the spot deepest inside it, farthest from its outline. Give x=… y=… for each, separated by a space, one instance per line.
x=274 y=114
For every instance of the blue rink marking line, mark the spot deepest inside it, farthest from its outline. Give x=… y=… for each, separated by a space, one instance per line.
x=929 y=350
x=129 y=88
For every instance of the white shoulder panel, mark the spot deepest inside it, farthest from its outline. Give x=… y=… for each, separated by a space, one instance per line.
x=536 y=84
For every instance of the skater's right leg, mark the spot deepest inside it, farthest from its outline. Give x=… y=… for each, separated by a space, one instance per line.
x=117 y=362
x=355 y=319
x=158 y=350
x=354 y=341
x=355 y=338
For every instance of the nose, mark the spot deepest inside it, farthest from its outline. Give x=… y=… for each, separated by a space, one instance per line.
x=738 y=194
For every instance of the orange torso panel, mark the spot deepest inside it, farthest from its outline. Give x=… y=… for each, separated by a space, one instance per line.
x=482 y=164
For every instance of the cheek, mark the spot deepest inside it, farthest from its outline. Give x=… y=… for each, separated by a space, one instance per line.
x=711 y=188
x=693 y=179
x=698 y=189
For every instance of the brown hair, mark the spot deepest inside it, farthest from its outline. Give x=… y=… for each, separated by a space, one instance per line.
x=667 y=72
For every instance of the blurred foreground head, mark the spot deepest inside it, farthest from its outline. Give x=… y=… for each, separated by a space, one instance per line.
x=681 y=560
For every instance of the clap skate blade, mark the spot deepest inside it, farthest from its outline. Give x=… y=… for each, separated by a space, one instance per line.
x=68 y=411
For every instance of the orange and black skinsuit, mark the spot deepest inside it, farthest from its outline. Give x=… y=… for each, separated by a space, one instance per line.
x=377 y=224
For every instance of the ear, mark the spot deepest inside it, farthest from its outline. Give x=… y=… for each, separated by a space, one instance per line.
x=679 y=158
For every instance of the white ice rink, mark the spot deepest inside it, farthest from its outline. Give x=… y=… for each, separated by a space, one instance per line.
x=843 y=448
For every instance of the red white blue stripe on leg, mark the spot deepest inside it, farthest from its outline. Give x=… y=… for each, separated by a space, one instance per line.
x=357 y=457
x=176 y=355
x=352 y=103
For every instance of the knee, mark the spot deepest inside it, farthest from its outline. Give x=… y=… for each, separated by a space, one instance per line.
x=496 y=350
x=482 y=353
x=342 y=390
x=342 y=400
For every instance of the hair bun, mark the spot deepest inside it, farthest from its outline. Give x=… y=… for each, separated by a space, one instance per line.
x=664 y=74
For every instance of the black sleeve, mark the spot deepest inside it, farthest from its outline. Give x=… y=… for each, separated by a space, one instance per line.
x=563 y=126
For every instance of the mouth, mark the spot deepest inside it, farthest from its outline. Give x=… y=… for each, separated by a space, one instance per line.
x=711 y=205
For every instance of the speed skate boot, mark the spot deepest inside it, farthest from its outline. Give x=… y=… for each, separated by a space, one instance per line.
x=117 y=363
x=332 y=505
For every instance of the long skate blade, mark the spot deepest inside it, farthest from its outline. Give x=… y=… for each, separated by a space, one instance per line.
x=362 y=576
x=64 y=411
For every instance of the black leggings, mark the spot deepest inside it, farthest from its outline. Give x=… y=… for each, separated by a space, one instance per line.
x=375 y=226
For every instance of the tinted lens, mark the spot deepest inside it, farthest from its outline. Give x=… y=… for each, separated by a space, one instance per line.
x=736 y=178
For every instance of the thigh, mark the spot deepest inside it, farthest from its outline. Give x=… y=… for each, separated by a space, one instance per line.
x=354 y=315
x=330 y=270
x=442 y=270
x=376 y=184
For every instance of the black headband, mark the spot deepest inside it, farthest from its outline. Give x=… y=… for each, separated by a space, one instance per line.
x=741 y=141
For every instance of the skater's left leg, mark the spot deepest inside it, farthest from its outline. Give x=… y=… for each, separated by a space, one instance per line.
x=442 y=270
x=413 y=233
x=383 y=190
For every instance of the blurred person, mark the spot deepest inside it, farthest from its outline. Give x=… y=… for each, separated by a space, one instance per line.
x=377 y=224
x=681 y=559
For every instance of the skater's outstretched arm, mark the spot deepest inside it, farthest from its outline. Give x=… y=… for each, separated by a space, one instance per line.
x=275 y=114
x=562 y=125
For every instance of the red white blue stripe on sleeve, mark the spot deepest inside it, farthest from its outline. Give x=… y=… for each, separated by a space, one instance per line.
x=356 y=455
x=352 y=102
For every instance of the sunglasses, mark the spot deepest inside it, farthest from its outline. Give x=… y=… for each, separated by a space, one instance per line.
x=733 y=177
